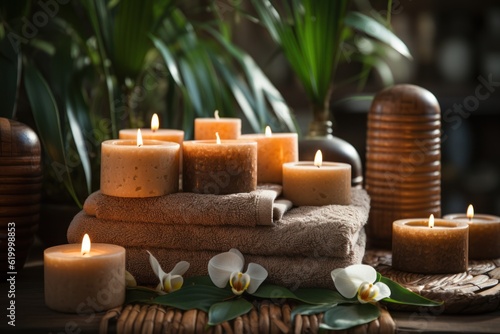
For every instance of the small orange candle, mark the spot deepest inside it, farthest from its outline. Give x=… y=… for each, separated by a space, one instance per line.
x=82 y=278
x=219 y=166
x=484 y=234
x=154 y=133
x=430 y=246
x=273 y=150
x=227 y=128
x=317 y=183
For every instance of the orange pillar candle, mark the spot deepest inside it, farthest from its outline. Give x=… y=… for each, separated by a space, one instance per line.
x=137 y=168
x=155 y=133
x=317 y=183
x=273 y=150
x=219 y=166
x=433 y=246
x=484 y=234
x=80 y=278
x=228 y=128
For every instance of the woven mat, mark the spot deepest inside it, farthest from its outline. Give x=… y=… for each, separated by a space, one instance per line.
x=475 y=291
x=265 y=317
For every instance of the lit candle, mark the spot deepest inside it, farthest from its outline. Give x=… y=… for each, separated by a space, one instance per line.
x=317 y=183
x=137 y=168
x=83 y=278
x=219 y=166
x=154 y=133
x=433 y=246
x=273 y=150
x=228 y=128
x=484 y=234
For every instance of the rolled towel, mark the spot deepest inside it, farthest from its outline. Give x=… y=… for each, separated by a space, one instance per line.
x=288 y=271
x=325 y=231
x=258 y=207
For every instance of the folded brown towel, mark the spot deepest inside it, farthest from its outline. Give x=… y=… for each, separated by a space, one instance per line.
x=323 y=231
x=288 y=271
x=258 y=207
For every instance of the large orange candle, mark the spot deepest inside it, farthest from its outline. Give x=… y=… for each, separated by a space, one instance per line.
x=430 y=246
x=273 y=150
x=227 y=128
x=137 y=168
x=82 y=278
x=317 y=183
x=484 y=234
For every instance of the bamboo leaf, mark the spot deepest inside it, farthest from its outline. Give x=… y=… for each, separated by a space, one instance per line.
x=228 y=310
x=46 y=115
x=374 y=29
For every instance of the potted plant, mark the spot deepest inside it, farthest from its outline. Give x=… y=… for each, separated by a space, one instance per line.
x=97 y=66
x=312 y=35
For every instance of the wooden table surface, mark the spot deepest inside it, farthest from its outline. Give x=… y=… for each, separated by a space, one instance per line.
x=32 y=316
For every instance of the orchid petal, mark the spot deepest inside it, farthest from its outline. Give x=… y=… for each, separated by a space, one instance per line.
x=180 y=268
x=237 y=252
x=384 y=291
x=173 y=283
x=257 y=275
x=345 y=285
x=362 y=272
x=130 y=280
x=155 y=265
x=221 y=266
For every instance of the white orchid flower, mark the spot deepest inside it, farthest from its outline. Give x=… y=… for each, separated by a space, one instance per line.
x=171 y=281
x=359 y=279
x=228 y=266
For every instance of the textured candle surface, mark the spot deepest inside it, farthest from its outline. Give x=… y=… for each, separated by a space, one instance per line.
x=306 y=184
x=272 y=152
x=225 y=168
x=418 y=248
x=146 y=171
x=228 y=128
x=484 y=235
x=79 y=283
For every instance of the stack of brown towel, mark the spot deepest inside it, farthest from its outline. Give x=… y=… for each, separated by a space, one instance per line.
x=299 y=247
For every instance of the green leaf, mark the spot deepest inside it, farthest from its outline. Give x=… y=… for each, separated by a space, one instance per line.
x=401 y=295
x=228 y=310
x=139 y=295
x=198 y=280
x=374 y=29
x=270 y=291
x=307 y=309
x=200 y=297
x=46 y=115
x=320 y=296
x=10 y=67
x=347 y=316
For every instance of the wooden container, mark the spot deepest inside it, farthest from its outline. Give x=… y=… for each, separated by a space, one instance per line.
x=20 y=192
x=403 y=159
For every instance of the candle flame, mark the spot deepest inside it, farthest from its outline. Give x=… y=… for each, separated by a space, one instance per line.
x=139 y=138
x=216 y=114
x=268 y=131
x=85 y=244
x=318 y=159
x=470 y=212
x=155 y=122
x=431 y=221
x=217 y=138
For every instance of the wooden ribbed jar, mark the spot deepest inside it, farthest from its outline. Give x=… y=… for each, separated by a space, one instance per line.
x=20 y=192
x=403 y=159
